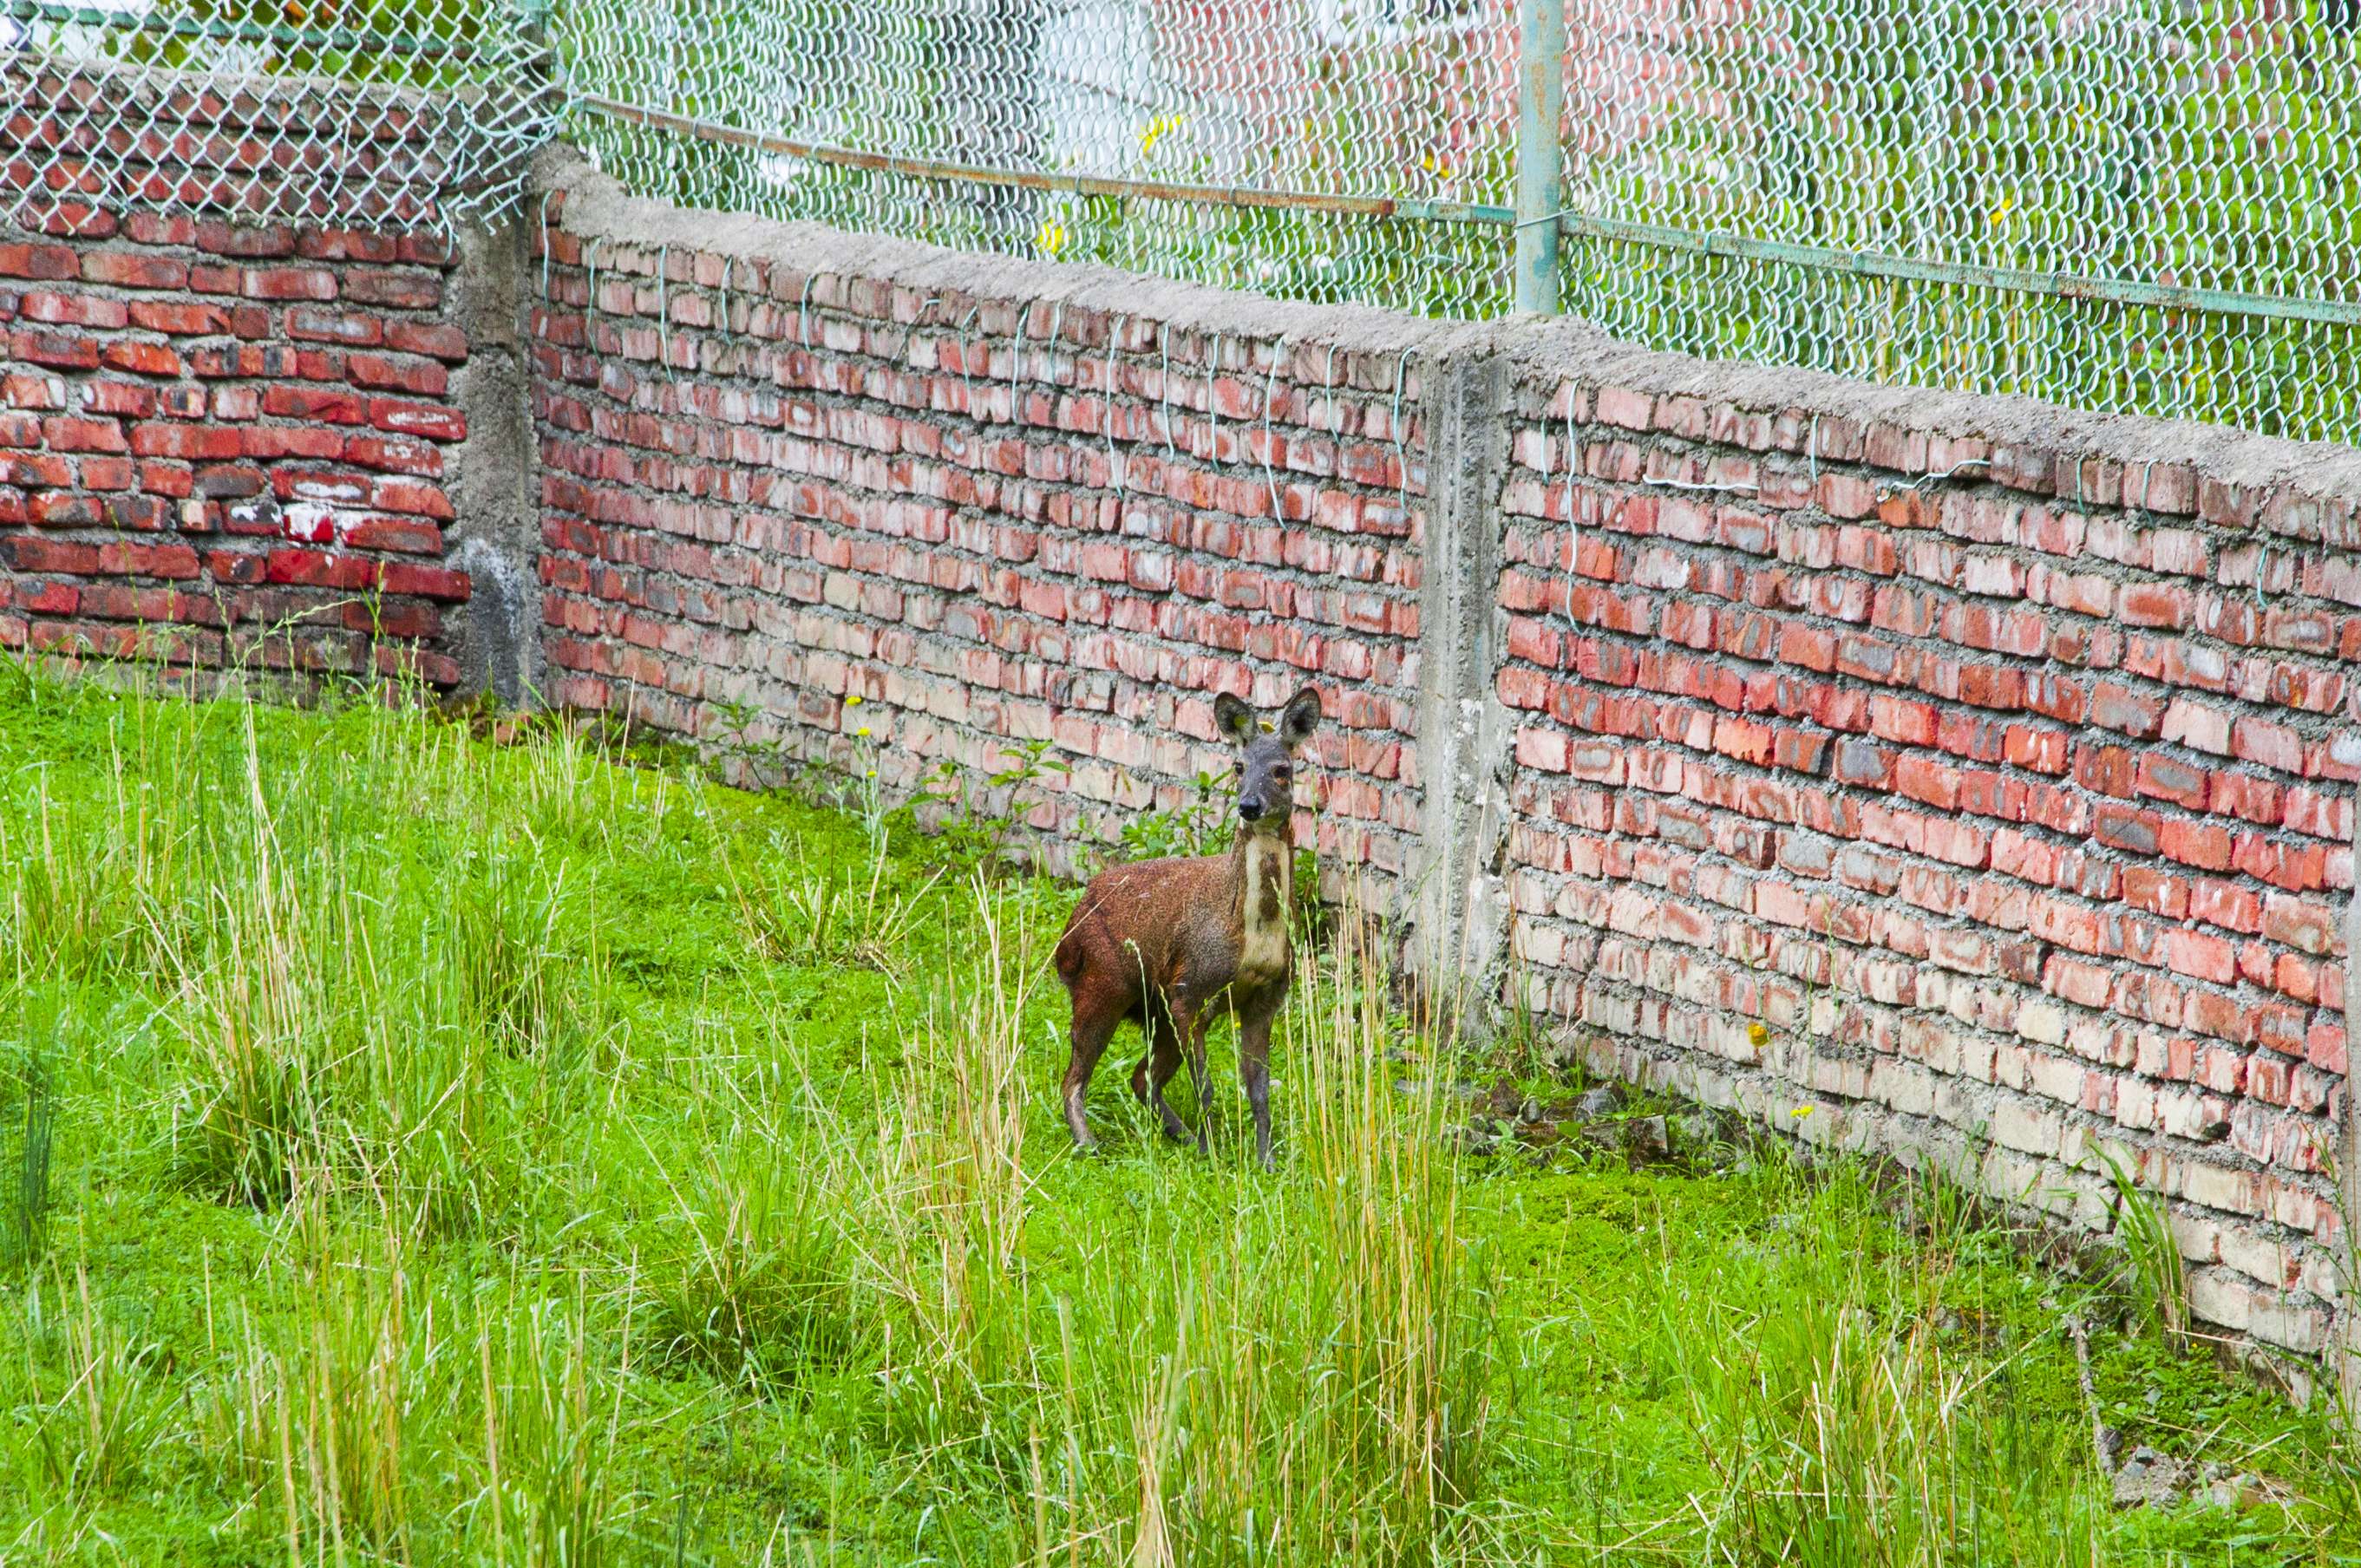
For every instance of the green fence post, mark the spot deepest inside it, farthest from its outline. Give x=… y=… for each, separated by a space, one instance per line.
x=1541 y=104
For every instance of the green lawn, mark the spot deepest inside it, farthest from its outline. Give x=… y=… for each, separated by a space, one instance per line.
x=473 y=1153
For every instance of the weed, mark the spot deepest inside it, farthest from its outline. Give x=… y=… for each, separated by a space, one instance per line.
x=2154 y=1276
x=976 y=822
x=1198 y=824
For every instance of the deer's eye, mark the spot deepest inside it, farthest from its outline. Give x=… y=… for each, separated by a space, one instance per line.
x=1282 y=775
x=1239 y=767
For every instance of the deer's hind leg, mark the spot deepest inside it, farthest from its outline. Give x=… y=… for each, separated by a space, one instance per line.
x=1097 y=1014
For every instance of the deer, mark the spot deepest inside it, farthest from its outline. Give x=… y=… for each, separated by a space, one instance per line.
x=1169 y=944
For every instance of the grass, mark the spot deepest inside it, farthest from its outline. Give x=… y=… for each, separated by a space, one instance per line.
x=520 y=1153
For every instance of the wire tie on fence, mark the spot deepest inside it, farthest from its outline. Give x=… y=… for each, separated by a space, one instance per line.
x=1213 y=415
x=1401 y=455
x=1269 y=393
x=1546 y=218
x=546 y=248
x=1927 y=480
x=967 y=372
x=1056 y=324
x=1704 y=488
x=1164 y=385
x=803 y=310
x=1573 y=502
x=664 y=305
x=590 y=304
x=1016 y=360
x=1106 y=420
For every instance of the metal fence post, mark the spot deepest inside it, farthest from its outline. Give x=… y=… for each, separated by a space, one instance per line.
x=1541 y=103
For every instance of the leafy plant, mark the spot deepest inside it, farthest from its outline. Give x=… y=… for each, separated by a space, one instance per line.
x=1199 y=825
x=976 y=821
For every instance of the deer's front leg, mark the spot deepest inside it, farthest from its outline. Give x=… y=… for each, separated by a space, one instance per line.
x=1254 y=1068
x=1166 y=1037
x=1191 y=1026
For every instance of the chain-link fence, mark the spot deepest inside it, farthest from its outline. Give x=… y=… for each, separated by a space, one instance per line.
x=401 y=112
x=2151 y=205
x=1318 y=150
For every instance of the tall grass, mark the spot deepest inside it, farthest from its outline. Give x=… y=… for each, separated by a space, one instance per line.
x=1298 y=1370
x=493 y=1155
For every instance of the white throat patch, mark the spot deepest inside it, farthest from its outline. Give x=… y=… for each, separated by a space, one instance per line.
x=1264 y=953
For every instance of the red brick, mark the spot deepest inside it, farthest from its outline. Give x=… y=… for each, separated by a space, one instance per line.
x=142 y=359
x=39 y=469
x=427 y=582
x=179 y=318
x=72 y=435
x=405 y=536
x=64 y=351
x=64 y=509
x=268 y=444
x=130 y=269
x=54 y=598
x=310 y=323
x=334 y=405
x=194 y=442
x=394 y=454
x=287 y=283
x=396 y=290
x=431 y=422
x=381 y=374
x=246 y=241
x=53 y=309
x=172 y=560
x=436 y=340
x=32 y=552
x=42 y=263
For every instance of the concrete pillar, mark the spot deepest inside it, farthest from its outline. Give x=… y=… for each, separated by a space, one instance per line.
x=496 y=635
x=1456 y=891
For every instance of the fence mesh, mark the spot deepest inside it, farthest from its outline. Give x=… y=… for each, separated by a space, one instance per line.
x=1382 y=102
x=2151 y=205
x=1992 y=195
x=401 y=112
x=2205 y=146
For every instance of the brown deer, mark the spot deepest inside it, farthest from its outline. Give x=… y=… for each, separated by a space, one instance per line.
x=1166 y=943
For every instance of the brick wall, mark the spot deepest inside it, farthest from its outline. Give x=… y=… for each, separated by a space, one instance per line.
x=781 y=483
x=1996 y=818
x=1946 y=776
x=211 y=429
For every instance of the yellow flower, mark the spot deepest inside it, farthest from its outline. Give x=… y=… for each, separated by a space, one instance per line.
x=852 y=701
x=1157 y=129
x=1757 y=1033
x=870 y=775
x=862 y=732
x=1801 y=1110
x=1050 y=239
x=1436 y=166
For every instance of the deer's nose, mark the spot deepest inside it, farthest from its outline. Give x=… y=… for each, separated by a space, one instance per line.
x=1250 y=809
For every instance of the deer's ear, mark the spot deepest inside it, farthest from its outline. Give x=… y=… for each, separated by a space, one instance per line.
x=1300 y=718
x=1233 y=720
